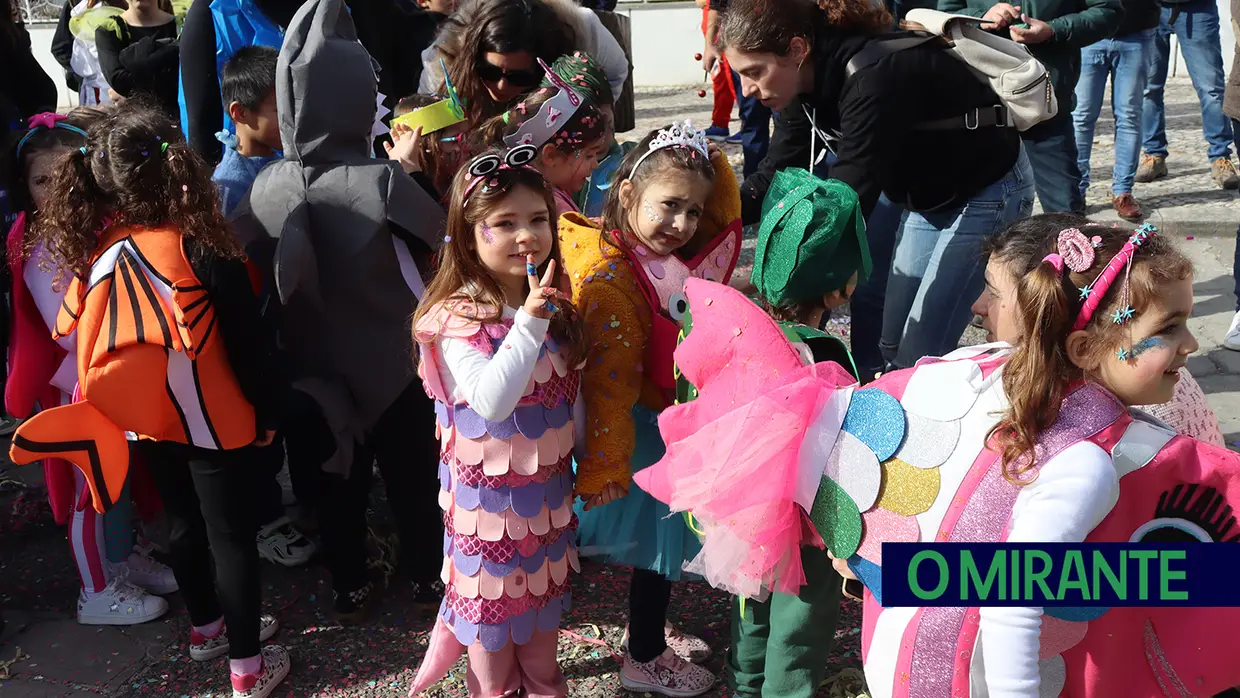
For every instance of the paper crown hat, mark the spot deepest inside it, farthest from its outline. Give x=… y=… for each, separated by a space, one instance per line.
x=811 y=239
x=438 y=116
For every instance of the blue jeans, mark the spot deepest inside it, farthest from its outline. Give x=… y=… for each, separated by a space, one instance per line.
x=866 y=304
x=1123 y=59
x=868 y=300
x=1235 y=265
x=937 y=269
x=1051 y=149
x=755 y=127
x=1196 y=27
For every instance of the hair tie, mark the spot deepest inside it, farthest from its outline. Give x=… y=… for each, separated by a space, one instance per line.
x=1055 y=261
x=82 y=150
x=163 y=147
x=1076 y=250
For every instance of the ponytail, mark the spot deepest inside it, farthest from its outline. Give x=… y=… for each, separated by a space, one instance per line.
x=1036 y=376
x=66 y=227
x=193 y=206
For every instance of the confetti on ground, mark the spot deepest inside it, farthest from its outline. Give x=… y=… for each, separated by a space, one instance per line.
x=5 y=666
x=376 y=659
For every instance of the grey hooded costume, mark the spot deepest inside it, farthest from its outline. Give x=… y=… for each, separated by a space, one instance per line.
x=339 y=234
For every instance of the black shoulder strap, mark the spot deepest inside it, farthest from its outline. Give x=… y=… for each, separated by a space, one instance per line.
x=882 y=47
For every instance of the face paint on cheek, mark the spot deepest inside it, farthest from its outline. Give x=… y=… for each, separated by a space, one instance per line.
x=488 y=234
x=652 y=214
x=1145 y=345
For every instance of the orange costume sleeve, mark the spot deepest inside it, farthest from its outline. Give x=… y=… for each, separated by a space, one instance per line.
x=617 y=318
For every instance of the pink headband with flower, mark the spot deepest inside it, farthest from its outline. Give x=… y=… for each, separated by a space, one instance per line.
x=1076 y=252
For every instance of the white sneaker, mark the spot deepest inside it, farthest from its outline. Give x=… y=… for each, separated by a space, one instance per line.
x=280 y=542
x=146 y=573
x=276 y=664
x=202 y=648
x=1232 y=340
x=120 y=603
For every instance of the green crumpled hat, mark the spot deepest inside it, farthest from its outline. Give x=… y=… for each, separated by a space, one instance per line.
x=811 y=239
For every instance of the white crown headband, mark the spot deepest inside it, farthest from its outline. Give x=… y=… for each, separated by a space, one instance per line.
x=551 y=116
x=677 y=136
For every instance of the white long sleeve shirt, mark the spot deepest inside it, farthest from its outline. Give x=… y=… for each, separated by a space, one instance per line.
x=1073 y=492
x=493 y=385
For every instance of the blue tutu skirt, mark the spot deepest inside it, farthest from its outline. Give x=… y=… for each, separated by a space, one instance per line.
x=638 y=530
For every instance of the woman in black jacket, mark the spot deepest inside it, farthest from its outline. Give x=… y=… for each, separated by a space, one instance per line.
x=914 y=124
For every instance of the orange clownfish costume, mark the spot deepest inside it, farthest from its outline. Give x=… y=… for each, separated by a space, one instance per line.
x=151 y=363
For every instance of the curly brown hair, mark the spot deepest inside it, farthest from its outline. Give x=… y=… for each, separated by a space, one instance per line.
x=135 y=170
x=1037 y=376
x=768 y=26
x=460 y=269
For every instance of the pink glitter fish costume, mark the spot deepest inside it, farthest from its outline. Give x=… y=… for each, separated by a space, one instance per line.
x=906 y=459
x=507 y=499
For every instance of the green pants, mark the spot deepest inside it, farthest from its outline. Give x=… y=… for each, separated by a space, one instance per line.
x=779 y=648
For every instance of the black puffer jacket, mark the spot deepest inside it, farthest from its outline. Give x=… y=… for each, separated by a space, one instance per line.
x=870 y=122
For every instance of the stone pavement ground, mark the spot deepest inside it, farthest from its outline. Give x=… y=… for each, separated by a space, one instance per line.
x=60 y=658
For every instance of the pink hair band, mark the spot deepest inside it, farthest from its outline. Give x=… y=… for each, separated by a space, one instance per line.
x=1098 y=289
x=1056 y=261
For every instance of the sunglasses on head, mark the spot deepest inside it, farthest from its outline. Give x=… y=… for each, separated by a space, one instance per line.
x=521 y=78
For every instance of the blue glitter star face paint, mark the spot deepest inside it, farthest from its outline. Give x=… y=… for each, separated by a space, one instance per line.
x=1145 y=345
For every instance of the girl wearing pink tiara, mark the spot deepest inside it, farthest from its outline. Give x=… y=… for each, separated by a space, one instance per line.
x=567 y=130
x=1030 y=444
x=500 y=351
x=672 y=213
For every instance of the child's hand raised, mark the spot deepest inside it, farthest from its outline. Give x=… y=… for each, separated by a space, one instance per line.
x=404 y=147
x=538 y=303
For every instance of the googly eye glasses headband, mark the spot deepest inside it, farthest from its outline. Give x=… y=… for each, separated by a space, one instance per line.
x=482 y=168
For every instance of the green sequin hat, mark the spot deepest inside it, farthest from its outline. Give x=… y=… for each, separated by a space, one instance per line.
x=811 y=239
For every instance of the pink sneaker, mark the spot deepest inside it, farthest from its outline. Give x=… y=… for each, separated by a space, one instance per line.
x=203 y=648
x=667 y=674
x=690 y=647
x=275 y=668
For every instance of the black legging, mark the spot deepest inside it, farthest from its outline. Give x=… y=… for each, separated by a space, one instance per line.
x=206 y=496
x=404 y=446
x=649 y=594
